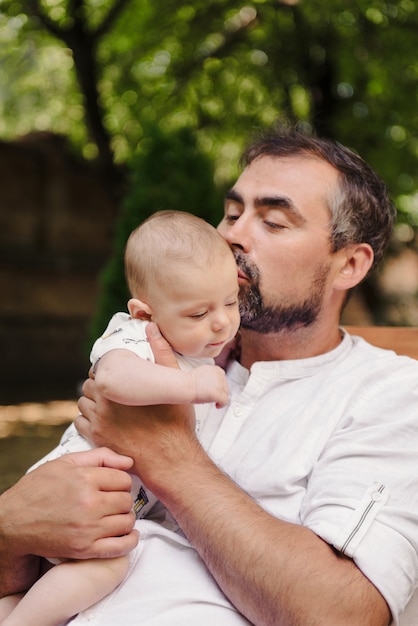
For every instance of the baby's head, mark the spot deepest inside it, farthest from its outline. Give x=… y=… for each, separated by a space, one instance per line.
x=183 y=276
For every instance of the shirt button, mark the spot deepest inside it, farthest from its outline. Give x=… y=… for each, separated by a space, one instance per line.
x=237 y=411
x=376 y=496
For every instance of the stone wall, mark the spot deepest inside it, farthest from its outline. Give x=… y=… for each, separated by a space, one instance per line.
x=56 y=223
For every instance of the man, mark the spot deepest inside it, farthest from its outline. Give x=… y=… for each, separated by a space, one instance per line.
x=301 y=496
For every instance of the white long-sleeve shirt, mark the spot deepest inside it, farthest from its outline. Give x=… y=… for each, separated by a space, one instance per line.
x=329 y=442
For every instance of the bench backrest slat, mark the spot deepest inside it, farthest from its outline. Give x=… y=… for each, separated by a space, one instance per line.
x=403 y=340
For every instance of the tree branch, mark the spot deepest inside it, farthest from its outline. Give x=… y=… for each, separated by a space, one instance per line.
x=110 y=18
x=35 y=10
x=229 y=39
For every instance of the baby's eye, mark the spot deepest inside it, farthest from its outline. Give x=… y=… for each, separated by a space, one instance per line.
x=198 y=316
x=232 y=303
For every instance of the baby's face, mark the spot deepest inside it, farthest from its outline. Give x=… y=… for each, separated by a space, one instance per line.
x=198 y=311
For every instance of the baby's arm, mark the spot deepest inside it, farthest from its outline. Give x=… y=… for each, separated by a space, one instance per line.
x=126 y=378
x=67 y=589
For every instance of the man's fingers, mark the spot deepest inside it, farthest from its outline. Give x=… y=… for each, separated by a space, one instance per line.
x=119 y=525
x=89 y=388
x=110 y=547
x=110 y=480
x=162 y=350
x=80 y=422
x=100 y=457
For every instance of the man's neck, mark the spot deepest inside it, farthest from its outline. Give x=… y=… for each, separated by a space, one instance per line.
x=285 y=345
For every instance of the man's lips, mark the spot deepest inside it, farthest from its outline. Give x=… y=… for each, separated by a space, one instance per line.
x=242 y=277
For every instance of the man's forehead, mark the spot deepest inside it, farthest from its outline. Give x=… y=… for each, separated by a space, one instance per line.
x=269 y=175
x=302 y=161
x=303 y=186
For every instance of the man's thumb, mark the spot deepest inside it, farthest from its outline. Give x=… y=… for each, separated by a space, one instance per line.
x=162 y=350
x=98 y=457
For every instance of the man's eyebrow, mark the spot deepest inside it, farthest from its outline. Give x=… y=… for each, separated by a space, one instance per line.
x=231 y=194
x=279 y=202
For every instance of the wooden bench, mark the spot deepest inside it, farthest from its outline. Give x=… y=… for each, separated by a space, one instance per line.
x=401 y=339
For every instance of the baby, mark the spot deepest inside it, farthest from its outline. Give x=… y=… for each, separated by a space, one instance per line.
x=182 y=275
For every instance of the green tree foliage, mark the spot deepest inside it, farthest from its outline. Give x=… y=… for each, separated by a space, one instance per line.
x=168 y=172
x=221 y=68
x=347 y=68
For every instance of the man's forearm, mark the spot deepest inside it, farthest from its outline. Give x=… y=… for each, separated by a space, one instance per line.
x=272 y=571
x=17 y=572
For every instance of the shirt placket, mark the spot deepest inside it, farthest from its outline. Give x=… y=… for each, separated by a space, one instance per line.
x=241 y=407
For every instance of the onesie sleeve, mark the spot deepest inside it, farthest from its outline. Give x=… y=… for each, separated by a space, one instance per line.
x=362 y=496
x=123 y=332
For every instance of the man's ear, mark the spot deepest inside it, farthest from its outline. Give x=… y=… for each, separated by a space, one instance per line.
x=139 y=309
x=355 y=262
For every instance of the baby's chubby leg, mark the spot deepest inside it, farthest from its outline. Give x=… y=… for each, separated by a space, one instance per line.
x=7 y=605
x=67 y=589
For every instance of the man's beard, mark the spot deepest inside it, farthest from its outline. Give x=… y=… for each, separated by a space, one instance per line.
x=263 y=318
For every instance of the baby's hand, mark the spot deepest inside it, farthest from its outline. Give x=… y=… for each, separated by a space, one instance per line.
x=210 y=385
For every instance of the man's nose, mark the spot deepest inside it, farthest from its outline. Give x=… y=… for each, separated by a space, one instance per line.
x=238 y=234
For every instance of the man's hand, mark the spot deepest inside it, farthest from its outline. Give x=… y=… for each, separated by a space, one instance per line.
x=78 y=506
x=163 y=352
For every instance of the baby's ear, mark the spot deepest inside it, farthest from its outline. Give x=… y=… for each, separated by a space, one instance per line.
x=139 y=309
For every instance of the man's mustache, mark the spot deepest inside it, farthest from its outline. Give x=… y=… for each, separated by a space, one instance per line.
x=249 y=269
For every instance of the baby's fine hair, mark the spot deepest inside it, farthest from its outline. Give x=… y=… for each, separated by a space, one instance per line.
x=165 y=241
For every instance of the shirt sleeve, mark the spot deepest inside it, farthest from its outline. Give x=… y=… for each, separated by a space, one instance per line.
x=363 y=493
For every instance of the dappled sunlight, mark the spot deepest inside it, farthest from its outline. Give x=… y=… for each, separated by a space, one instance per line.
x=48 y=413
x=28 y=432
